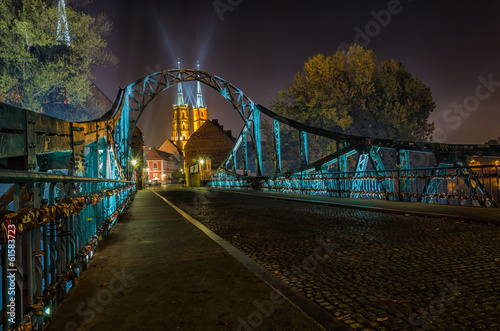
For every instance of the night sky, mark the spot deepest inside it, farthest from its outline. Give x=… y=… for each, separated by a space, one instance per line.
x=452 y=46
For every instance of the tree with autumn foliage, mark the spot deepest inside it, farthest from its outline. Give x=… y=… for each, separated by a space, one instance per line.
x=350 y=92
x=39 y=73
x=353 y=92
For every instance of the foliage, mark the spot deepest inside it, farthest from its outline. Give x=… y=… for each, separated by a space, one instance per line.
x=177 y=174
x=35 y=71
x=353 y=92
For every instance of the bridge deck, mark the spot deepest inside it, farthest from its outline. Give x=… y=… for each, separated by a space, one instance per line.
x=156 y=271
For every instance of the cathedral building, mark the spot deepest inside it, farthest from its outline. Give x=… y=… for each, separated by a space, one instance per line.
x=181 y=119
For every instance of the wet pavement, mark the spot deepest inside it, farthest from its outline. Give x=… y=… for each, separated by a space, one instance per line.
x=370 y=270
x=157 y=271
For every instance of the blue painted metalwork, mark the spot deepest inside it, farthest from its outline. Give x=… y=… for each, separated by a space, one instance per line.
x=405 y=186
x=277 y=147
x=360 y=169
x=137 y=96
x=60 y=218
x=379 y=165
x=304 y=160
x=257 y=142
x=244 y=154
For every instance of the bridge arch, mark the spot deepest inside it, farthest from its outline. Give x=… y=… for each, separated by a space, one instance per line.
x=133 y=100
x=313 y=177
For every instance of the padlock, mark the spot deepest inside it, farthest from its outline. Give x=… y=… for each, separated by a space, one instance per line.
x=37 y=308
x=45 y=216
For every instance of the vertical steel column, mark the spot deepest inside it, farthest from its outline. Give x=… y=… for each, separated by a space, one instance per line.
x=403 y=183
x=342 y=185
x=379 y=166
x=245 y=154
x=257 y=142
x=304 y=160
x=235 y=163
x=360 y=168
x=277 y=147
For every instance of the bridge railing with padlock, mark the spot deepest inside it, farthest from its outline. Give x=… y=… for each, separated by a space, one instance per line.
x=50 y=231
x=471 y=185
x=62 y=186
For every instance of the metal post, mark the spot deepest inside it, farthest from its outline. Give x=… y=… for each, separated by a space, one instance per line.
x=277 y=147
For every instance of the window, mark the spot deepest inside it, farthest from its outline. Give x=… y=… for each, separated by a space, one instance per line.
x=155 y=165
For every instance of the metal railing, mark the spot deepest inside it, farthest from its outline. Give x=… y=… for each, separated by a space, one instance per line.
x=51 y=229
x=477 y=185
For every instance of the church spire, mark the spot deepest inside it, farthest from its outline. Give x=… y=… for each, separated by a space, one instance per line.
x=180 y=95
x=199 y=97
x=62 y=34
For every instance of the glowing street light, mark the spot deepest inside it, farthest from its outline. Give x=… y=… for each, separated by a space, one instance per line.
x=134 y=162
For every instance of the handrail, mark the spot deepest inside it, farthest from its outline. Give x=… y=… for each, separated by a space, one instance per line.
x=17 y=176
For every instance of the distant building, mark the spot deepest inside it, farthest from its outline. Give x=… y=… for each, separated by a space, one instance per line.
x=205 y=151
x=169 y=147
x=161 y=165
x=181 y=116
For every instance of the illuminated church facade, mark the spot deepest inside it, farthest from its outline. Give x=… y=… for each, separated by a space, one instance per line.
x=184 y=114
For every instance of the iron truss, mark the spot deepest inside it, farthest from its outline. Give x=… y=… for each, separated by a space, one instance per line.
x=449 y=178
x=61 y=191
x=137 y=96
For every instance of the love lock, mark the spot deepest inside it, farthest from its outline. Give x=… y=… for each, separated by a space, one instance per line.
x=45 y=216
x=37 y=308
x=70 y=275
x=28 y=326
x=49 y=294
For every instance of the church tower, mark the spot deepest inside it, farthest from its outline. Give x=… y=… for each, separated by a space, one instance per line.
x=180 y=120
x=200 y=114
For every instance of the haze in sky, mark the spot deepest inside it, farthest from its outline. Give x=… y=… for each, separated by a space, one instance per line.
x=259 y=45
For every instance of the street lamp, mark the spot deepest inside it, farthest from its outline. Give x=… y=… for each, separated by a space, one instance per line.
x=201 y=168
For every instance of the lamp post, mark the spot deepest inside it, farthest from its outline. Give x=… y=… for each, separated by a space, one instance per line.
x=201 y=168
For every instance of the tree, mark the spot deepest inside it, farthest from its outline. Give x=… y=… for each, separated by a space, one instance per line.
x=37 y=72
x=353 y=92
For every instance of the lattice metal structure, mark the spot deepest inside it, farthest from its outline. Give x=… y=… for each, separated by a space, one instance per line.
x=138 y=95
x=359 y=164
x=450 y=179
x=65 y=183
x=61 y=191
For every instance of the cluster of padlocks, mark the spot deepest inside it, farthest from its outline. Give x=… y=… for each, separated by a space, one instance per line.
x=30 y=218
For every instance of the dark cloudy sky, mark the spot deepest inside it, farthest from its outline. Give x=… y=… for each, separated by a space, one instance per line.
x=452 y=46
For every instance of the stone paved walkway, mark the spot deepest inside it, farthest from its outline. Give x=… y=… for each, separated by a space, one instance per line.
x=370 y=270
x=157 y=271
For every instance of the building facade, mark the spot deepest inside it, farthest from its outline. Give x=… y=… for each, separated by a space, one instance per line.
x=182 y=119
x=205 y=152
x=160 y=166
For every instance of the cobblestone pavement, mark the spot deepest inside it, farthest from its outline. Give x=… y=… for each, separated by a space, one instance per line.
x=373 y=271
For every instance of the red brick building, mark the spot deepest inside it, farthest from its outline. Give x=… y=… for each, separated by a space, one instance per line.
x=205 y=151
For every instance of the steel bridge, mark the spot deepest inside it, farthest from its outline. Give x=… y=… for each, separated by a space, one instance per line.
x=63 y=184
